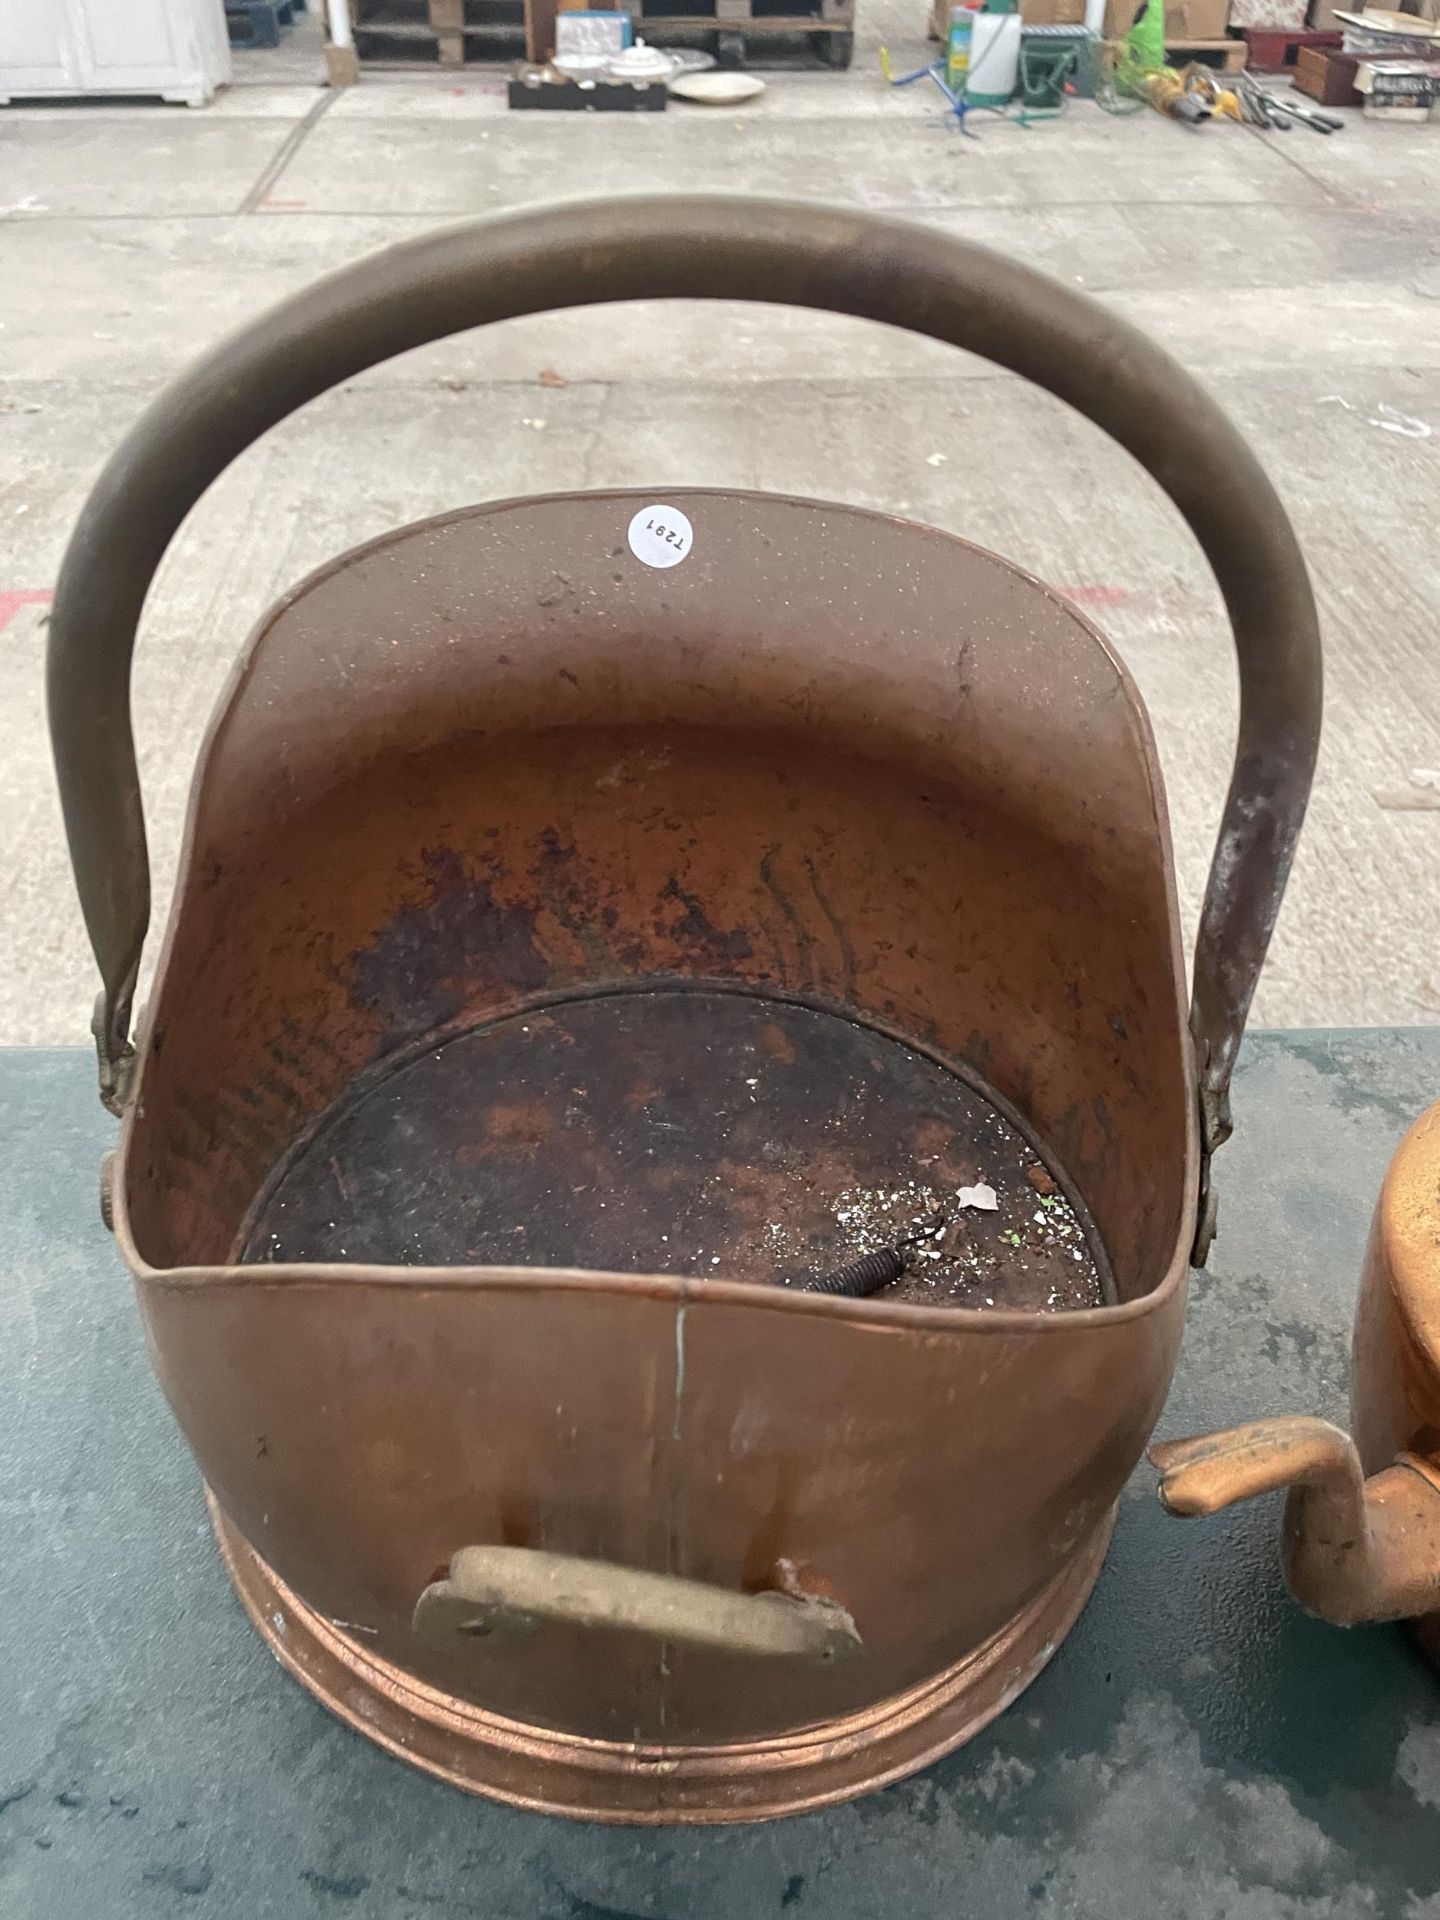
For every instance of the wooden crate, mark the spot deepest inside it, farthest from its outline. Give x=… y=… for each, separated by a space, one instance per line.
x=1328 y=76
x=1272 y=50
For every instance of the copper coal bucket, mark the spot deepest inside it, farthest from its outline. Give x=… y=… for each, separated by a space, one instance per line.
x=593 y=908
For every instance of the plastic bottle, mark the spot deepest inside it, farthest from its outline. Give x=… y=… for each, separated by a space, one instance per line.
x=957 y=47
x=994 y=55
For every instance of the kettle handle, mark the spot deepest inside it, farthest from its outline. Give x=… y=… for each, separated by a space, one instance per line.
x=708 y=247
x=502 y=1593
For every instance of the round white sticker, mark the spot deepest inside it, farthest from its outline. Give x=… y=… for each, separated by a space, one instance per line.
x=660 y=536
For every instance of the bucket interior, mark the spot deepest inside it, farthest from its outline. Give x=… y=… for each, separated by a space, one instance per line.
x=545 y=908
x=686 y=1129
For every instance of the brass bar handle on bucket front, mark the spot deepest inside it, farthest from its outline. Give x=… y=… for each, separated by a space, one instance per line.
x=782 y=252
x=506 y=1592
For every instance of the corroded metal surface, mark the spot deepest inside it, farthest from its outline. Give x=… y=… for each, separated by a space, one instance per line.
x=695 y=1132
x=492 y=763
x=498 y=761
x=800 y=254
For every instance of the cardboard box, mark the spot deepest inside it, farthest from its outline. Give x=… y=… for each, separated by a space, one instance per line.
x=1324 y=17
x=1327 y=77
x=1196 y=19
x=1120 y=17
x=1052 y=13
x=1033 y=13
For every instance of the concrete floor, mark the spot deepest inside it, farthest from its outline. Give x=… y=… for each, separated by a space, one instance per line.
x=1298 y=276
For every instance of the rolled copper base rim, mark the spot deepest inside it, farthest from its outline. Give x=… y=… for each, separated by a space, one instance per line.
x=583 y=1779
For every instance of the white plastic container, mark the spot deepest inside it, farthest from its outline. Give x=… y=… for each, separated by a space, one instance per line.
x=994 y=59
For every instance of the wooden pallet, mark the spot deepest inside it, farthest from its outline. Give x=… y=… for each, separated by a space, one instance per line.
x=447 y=21
x=447 y=33
x=1229 y=55
x=749 y=16
x=742 y=28
x=754 y=41
x=457 y=33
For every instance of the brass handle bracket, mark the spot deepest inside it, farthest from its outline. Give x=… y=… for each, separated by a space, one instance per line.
x=116 y=1062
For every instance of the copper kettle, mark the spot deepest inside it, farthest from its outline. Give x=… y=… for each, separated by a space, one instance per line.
x=1356 y=1548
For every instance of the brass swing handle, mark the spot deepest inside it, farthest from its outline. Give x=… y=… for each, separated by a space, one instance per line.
x=788 y=253
x=1353 y=1549
x=504 y=1593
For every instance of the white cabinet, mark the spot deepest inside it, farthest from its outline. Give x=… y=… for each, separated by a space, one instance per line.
x=177 y=49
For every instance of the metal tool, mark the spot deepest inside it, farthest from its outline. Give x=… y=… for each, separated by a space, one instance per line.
x=1310 y=117
x=871 y=1271
x=1264 y=109
x=958 y=106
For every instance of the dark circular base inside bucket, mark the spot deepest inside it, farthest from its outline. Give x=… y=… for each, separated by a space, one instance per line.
x=685 y=1131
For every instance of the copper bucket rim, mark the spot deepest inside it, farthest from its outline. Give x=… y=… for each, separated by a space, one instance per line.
x=682 y=1288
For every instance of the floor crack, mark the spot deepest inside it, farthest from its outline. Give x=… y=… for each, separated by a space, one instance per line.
x=287 y=151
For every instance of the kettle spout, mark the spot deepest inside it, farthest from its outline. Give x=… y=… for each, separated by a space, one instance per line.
x=1353 y=1549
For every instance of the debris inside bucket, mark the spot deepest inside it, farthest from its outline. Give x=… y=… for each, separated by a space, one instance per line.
x=1040 y=1232
x=689 y=1130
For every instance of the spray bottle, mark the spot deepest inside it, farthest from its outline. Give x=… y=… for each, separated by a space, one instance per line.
x=994 y=55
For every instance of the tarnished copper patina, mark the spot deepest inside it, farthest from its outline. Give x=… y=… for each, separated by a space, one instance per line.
x=561 y=939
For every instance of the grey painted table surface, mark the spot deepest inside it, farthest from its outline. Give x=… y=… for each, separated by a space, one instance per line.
x=1197 y=1748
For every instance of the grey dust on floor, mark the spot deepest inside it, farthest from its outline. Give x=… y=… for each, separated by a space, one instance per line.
x=1295 y=275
